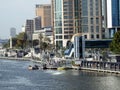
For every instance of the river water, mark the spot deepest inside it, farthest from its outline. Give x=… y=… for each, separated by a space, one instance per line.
x=14 y=75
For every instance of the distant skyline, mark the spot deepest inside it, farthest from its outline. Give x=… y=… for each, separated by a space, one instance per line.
x=13 y=13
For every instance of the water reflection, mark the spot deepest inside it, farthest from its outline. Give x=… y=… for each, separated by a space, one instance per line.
x=55 y=72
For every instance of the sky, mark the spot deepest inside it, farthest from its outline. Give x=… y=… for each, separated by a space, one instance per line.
x=13 y=13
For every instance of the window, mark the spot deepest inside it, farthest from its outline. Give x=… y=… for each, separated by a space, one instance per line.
x=97 y=36
x=66 y=37
x=91 y=20
x=97 y=29
x=84 y=20
x=58 y=30
x=92 y=36
x=85 y=36
x=59 y=37
x=97 y=20
x=84 y=29
x=92 y=29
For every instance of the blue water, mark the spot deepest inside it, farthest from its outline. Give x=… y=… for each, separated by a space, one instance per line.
x=14 y=75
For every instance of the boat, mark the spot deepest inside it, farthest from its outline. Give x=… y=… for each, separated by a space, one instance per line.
x=44 y=66
x=61 y=68
x=76 y=67
x=35 y=67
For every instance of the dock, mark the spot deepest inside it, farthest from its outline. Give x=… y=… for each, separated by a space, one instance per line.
x=101 y=70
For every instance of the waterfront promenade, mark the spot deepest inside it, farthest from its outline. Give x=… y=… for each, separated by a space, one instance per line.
x=100 y=66
x=96 y=66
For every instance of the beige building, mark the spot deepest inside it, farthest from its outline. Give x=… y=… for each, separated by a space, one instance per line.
x=76 y=16
x=44 y=11
x=66 y=20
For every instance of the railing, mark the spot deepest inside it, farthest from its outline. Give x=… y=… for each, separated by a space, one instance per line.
x=100 y=65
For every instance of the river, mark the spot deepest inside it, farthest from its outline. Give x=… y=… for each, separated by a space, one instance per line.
x=14 y=75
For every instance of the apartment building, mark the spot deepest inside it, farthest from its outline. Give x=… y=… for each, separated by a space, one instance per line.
x=66 y=20
x=44 y=11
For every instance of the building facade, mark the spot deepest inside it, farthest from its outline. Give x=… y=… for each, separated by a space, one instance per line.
x=113 y=16
x=44 y=11
x=77 y=16
x=37 y=23
x=91 y=19
x=29 y=28
x=66 y=20
x=46 y=32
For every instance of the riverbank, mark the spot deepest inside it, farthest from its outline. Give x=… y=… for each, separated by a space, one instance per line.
x=15 y=58
x=63 y=68
x=101 y=70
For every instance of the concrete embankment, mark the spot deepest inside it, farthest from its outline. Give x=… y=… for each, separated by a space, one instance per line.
x=101 y=70
x=15 y=58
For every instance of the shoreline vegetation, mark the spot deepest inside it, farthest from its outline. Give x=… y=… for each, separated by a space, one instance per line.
x=65 y=68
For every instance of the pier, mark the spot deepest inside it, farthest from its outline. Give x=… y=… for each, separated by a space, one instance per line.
x=100 y=66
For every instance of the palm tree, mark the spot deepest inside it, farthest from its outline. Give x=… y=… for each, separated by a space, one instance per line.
x=40 y=40
x=47 y=40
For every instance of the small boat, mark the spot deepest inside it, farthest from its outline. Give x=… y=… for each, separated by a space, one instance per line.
x=61 y=68
x=76 y=67
x=35 y=67
x=44 y=66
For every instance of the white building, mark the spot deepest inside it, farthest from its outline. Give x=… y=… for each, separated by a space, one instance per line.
x=46 y=31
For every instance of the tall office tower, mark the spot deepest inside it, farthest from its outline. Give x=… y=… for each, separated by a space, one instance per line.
x=65 y=20
x=113 y=16
x=44 y=11
x=12 y=32
x=37 y=23
x=23 y=28
x=29 y=28
x=91 y=19
x=12 y=35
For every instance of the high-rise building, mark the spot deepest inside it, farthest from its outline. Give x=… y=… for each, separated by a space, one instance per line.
x=113 y=13
x=113 y=16
x=76 y=16
x=12 y=35
x=37 y=23
x=12 y=32
x=23 y=28
x=29 y=28
x=91 y=19
x=66 y=20
x=44 y=11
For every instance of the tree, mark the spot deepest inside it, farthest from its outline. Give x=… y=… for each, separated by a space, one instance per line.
x=21 y=40
x=47 y=40
x=35 y=42
x=115 y=44
x=40 y=40
x=14 y=42
x=44 y=46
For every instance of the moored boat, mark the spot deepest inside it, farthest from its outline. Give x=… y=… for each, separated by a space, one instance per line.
x=35 y=67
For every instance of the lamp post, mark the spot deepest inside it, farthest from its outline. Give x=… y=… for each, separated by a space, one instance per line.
x=10 y=41
x=12 y=34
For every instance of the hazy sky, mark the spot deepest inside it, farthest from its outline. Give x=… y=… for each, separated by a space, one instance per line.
x=13 y=13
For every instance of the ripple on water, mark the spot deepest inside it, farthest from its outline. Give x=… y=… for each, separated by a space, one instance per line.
x=55 y=72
